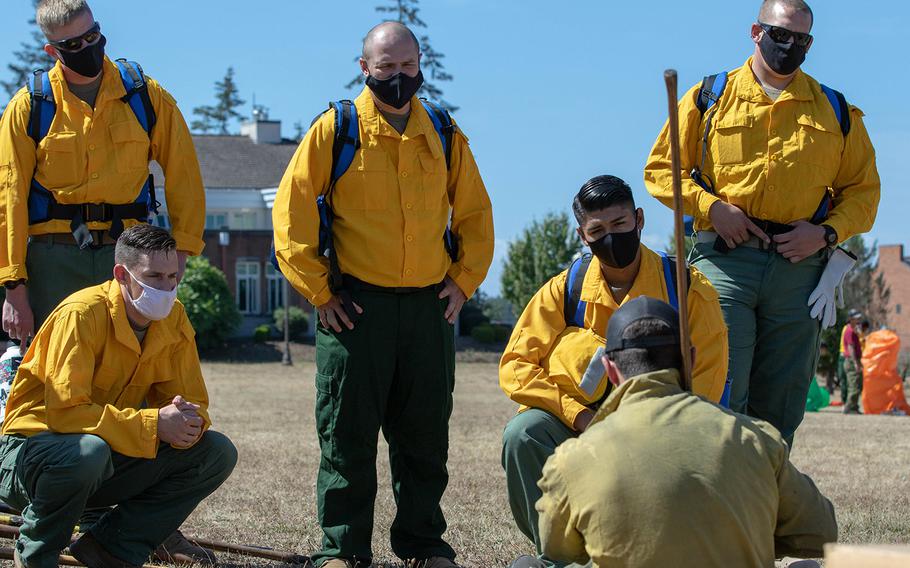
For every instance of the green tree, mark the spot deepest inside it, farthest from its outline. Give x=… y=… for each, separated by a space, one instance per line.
x=29 y=57
x=209 y=304
x=217 y=117
x=544 y=249
x=864 y=291
x=407 y=13
x=688 y=242
x=473 y=313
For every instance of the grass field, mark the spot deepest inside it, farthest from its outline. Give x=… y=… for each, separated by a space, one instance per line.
x=859 y=462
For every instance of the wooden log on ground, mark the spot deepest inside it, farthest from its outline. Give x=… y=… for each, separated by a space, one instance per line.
x=871 y=556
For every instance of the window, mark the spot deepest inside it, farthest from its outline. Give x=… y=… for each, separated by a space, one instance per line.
x=215 y=221
x=243 y=221
x=275 y=286
x=248 y=287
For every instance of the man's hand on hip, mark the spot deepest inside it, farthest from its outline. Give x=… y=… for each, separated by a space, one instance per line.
x=179 y=424
x=803 y=241
x=456 y=297
x=18 y=319
x=733 y=225
x=332 y=314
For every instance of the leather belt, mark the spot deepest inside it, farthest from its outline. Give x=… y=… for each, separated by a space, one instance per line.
x=710 y=237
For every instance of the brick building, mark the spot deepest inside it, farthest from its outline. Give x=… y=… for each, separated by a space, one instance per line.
x=895 y=268
x=241 y=174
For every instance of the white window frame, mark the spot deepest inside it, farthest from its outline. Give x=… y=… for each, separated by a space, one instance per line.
x=251 y=278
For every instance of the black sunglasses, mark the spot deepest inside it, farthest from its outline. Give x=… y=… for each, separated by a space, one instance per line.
x=76 y=43
x=783 y=35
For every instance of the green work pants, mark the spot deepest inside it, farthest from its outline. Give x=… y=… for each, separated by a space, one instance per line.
x=53 y=477
x=529 y=439
x=773 y=340
x=394 y=372
x=853 y=386
x=57 y=270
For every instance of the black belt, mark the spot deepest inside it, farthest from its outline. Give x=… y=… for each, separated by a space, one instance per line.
x=99 y=238
x=353 y=283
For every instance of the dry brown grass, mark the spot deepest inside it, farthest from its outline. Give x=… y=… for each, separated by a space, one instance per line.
x=267 y=409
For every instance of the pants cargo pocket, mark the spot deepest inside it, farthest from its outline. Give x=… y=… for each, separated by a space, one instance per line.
x=12 y=492
x=325 y=412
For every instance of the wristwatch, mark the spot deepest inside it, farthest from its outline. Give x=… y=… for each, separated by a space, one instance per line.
x=12 y=284
x=830 y=236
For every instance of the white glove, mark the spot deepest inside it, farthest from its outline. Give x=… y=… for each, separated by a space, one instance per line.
x=829 y=294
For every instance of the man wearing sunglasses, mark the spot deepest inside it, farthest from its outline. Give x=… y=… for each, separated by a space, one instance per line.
x=93 y=158
x=777 y=170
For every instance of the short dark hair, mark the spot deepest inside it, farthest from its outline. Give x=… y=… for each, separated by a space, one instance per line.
x=142 y=239
x=638 y=361
x=599 y=193
x=796 y=5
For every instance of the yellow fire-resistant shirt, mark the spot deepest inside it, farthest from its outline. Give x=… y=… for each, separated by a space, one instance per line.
x=544 y=363
x=773 y=159
x=391 y=207
x=85 y=373
x=95 y=156
x=662 y=478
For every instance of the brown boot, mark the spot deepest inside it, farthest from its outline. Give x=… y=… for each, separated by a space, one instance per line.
x=344 y=563
x=90 y=552
x=176 y=549
x=431 y=562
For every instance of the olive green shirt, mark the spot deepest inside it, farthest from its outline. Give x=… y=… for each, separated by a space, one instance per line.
x=664 y=478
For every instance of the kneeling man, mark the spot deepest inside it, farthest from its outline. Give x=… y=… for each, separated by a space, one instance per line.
x=109 y=407
x=551 y=366
x=664 y=478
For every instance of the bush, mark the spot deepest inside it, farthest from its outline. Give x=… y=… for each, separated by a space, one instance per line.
x=298 y=323
x=484 y=333
x=262 y=333
x=209 y=304
x=502 y=333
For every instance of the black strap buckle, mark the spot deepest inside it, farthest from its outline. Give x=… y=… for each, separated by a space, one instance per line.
x=96 y=212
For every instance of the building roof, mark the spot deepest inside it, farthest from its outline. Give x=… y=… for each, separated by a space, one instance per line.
x=235 y=162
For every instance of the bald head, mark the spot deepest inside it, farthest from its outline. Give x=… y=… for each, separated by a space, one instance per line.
x=772 y=11
x=388 y=35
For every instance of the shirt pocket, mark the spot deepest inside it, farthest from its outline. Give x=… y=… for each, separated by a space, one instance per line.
x=434 y=181
x=365 y=185
x=731 y=136
x=131 y=147
x=57 y=161
x=819 y=145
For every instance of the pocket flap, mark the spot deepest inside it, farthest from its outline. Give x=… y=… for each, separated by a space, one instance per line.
x=741 y=121
x=806 y=120
x=127 y=132
x=430 y=163
x=60 y=142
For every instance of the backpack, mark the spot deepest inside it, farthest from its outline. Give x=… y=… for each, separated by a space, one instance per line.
x=42 y=206
x=344 y=147
x=712 y=88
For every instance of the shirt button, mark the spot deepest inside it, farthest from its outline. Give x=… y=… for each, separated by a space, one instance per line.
x=770 y=188
x=409 y=206
x=774 y=133
x=404 y=174
x=408 y=271
x=91 y=146
x=410 y=238
x=94 y=176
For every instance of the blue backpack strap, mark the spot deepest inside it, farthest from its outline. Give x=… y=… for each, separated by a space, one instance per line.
x=841 y=110
x=347 y=138
x=43 y=108
x=573 y=307
x=670 y=278
x=445 y=128
x=137 y=94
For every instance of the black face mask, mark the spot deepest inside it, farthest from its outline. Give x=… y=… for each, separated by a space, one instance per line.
x=397 y=90
x=782 y=58
x=617 y=249
x=88 y=61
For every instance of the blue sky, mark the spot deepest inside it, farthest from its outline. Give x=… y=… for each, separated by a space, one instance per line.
x=550 y=93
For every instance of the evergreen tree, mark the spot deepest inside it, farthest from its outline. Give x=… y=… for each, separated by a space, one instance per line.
x=217 y=117
x=407 y=13
x=29 y=57
x=544 y=249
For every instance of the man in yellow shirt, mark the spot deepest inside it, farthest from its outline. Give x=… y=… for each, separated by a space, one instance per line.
x=74 y=168
x=664 y=478
x=387 y=297
x=109 y=408
x=551 y=366
x=777 y=170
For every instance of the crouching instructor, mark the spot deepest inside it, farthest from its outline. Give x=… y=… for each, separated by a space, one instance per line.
x=385 y=343
x=109 y=409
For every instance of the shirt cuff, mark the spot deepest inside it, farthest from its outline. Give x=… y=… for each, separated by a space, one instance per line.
x=12 y=273
x=571 y=409
x=463 y=279
x=188 y=243
x=839 y=226
x=704 y=202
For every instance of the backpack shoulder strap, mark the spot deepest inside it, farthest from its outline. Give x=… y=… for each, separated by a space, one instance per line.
x=137 y=94
x=43 y=106
x=445 y=128
x=839 y=103
x=712 y=87
x=347 y=138
x=669 y=264
x=573 y=307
